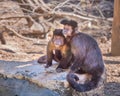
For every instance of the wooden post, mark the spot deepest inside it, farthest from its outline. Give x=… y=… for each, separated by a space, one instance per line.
x=115 y=46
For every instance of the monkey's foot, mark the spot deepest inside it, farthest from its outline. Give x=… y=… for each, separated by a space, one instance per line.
x=42 y=59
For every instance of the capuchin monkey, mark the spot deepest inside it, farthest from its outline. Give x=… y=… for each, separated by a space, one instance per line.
x=59 y=50
x=87 y=57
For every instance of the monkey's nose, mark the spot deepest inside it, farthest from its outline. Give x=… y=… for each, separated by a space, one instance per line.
x=64 y=31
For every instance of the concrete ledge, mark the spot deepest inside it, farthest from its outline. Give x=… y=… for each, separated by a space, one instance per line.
x=37 y=74
x=45 y=78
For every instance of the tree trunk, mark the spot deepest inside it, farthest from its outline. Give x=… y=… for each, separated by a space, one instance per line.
x=115 y=46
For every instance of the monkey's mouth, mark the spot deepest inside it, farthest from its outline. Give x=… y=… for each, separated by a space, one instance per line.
x=57 y=46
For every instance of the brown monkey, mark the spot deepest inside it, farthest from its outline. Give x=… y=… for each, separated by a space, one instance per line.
x=87 y=57
x=59 y=50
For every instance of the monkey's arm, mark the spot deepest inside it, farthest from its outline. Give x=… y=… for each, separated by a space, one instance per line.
x=66 y=58
x=78 y=49
x=49 y=54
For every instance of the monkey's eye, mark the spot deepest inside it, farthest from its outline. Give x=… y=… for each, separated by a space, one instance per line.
x=57 y=37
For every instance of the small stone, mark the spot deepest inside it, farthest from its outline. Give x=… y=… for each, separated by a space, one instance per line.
x=103 y=39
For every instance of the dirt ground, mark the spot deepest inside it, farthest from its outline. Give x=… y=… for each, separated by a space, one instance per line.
x=18 y=49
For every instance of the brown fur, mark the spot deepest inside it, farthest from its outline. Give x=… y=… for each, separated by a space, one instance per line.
x=63 y=56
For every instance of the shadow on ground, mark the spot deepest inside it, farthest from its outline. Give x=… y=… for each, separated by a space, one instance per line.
x=111 y=62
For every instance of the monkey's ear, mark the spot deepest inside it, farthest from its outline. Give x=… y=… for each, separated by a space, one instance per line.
x=64 y=21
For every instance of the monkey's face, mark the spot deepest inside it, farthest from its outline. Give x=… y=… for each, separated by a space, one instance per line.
x=58 y=41
x=67 y=30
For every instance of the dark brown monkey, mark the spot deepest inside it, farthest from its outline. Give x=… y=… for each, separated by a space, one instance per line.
x=87 y=57
x=59 y=50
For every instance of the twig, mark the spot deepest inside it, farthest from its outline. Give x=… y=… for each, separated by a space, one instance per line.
x=74 y=15
x=16 y=33
x=21 y=16
x=31 y=11
x=60 y=5
x=44 y=5
x=81 y=15
x=36 y=2
x=31 y=3
x=23 y=1
x=100 y=12
x=25 y=38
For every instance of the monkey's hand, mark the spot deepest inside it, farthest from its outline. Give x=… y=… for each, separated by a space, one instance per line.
x=59 y=70
x=47 y=66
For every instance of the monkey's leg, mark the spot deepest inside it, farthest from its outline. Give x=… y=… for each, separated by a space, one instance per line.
x=64 y=63
x=42 y=59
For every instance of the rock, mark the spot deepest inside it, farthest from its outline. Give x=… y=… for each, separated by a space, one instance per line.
x=16 y=87
x=39 y=75
x=99 y=91
x=103 y=39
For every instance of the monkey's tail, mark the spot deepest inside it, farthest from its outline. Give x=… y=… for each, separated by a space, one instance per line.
x=72 y=79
